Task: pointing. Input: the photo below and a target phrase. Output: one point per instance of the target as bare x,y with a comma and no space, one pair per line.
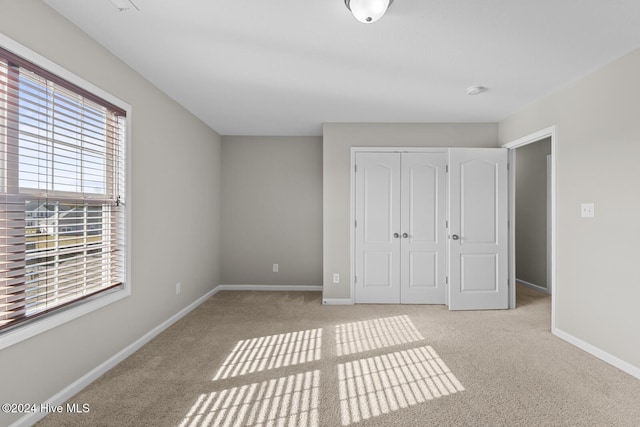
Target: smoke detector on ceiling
124,5
476,90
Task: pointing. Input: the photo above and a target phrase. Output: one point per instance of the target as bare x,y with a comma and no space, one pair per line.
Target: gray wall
175,222
338,138
598,149
272,210
531,212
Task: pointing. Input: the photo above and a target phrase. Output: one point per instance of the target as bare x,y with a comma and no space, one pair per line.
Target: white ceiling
284,67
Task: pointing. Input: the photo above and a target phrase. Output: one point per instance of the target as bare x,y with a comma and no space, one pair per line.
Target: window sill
56,319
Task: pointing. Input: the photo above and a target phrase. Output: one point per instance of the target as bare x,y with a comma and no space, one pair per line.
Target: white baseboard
337,301
315,288
82,382
600,354
533,286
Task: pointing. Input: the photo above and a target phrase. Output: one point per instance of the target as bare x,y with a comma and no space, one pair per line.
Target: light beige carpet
281,358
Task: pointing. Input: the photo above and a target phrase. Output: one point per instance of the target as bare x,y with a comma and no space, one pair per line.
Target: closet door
377,230
478,194
423,228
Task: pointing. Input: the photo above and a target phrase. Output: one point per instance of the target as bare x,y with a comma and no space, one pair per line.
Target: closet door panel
377,259
423,248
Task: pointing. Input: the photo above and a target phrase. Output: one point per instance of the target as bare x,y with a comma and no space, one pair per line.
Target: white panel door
377,232
478,229
423,228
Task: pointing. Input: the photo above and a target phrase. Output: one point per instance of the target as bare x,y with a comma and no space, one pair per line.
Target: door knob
396,235
405,235
455,237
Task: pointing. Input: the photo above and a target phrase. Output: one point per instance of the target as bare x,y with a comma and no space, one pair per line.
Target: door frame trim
549,132
352,199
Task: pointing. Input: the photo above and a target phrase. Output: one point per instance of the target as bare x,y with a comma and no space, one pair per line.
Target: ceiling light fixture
368,11
476,90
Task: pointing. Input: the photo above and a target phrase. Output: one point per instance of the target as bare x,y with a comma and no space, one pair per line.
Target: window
62,193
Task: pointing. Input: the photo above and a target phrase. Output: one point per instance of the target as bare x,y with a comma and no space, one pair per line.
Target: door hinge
507,166
356,168
355,279
446,280
355,224
446,224
446,168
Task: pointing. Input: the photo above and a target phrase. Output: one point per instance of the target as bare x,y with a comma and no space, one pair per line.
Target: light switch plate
587,210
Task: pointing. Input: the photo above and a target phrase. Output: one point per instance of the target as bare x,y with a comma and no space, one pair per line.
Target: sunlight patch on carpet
358,337
287,401
383,384
271,352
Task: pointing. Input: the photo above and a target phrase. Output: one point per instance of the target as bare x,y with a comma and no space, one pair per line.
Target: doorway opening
532,249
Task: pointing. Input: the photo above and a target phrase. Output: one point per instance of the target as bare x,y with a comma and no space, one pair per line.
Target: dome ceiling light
368,11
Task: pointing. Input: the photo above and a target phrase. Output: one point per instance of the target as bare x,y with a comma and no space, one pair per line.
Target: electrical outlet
178,288
587,210
275,268
336,278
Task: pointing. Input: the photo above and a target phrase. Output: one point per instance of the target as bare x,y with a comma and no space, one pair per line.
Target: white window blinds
61,192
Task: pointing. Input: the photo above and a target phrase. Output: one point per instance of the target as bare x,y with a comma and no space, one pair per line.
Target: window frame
90,304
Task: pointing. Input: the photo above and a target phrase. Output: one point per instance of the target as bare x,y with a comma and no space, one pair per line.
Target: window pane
62,139
67,252
61,181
